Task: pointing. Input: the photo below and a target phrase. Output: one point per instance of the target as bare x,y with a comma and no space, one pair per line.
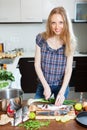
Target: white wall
20,35
23,35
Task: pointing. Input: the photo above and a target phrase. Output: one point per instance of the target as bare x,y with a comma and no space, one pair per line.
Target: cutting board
53,113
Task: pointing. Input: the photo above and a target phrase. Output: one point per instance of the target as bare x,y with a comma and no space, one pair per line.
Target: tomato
10,111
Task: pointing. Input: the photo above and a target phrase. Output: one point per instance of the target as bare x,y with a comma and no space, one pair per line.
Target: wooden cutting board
50,114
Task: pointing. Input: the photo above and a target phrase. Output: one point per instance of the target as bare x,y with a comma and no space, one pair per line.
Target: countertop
32,54
13,67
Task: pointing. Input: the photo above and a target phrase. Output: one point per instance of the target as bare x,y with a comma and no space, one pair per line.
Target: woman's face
57,24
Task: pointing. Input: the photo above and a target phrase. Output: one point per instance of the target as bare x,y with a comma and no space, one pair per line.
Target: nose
57,25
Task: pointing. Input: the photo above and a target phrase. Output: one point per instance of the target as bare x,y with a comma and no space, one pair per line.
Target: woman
54,56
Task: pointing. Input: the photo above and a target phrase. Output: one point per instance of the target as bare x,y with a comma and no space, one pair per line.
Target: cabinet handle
74,64
30,61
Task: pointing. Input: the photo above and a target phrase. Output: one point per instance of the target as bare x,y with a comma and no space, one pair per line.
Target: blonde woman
54,57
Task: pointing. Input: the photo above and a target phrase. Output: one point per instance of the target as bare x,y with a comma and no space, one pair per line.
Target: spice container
1,47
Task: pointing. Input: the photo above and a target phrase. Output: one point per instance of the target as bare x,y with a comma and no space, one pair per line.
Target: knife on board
45,113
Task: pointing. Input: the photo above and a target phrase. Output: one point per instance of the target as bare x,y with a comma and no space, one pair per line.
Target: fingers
59,100
47,95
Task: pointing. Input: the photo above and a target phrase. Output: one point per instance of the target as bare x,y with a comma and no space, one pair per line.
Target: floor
72,95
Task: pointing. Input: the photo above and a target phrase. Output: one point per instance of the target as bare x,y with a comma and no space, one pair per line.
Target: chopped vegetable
69,102
50,101
64,118
42,100
34,124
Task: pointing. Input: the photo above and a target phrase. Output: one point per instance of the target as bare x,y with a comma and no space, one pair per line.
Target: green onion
34,124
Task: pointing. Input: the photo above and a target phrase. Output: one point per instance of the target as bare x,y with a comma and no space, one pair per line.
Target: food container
10,99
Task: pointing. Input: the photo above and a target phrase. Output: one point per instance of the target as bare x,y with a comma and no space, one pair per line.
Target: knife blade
45,113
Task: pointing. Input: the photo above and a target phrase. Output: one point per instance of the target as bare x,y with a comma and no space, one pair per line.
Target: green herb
6,75
34,124
43,100
69,102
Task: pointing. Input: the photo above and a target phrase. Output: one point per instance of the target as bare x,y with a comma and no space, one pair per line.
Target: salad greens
6,75
4,84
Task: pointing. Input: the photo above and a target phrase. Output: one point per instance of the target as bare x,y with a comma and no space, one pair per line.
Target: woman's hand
59,100
47,92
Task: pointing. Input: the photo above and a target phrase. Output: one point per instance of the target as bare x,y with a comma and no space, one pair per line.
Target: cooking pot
12,97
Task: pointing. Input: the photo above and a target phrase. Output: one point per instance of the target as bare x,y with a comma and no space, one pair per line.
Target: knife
45,113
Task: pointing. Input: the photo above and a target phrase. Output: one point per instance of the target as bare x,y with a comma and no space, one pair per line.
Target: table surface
70,125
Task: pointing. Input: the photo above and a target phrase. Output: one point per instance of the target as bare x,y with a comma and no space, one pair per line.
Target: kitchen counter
13,67
32,54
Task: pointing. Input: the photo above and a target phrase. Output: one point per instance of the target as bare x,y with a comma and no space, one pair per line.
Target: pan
81,118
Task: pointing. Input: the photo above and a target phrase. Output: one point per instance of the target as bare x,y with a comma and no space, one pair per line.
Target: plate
81,118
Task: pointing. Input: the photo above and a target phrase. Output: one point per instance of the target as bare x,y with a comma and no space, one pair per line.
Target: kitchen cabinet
9,10
28,74
79,74
20,10
48,5
31,10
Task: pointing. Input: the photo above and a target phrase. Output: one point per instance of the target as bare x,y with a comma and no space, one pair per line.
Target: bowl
4,84
11,96
10,93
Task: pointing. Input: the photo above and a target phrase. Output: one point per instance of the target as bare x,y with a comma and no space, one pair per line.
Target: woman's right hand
47,92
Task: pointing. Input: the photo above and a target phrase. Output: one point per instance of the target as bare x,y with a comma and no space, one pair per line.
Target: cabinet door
31,10
9,10
69,5
28,75
81,74
48,5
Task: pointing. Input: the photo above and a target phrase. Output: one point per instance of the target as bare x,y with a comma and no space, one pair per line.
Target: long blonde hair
67,35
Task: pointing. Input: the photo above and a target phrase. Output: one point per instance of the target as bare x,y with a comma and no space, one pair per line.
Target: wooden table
70,125
54,125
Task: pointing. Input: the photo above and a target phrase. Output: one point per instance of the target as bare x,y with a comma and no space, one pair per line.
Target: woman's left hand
59,100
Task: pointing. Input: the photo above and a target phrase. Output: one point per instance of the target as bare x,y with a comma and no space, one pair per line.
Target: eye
61,22
53,23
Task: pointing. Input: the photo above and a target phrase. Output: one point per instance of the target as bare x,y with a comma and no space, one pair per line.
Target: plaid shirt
53,62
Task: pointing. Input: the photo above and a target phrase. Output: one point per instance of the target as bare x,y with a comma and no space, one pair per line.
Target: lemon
65,118
58,118
32,115
78,106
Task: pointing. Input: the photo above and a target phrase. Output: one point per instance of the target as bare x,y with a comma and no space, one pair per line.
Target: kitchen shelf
21,22
7,60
